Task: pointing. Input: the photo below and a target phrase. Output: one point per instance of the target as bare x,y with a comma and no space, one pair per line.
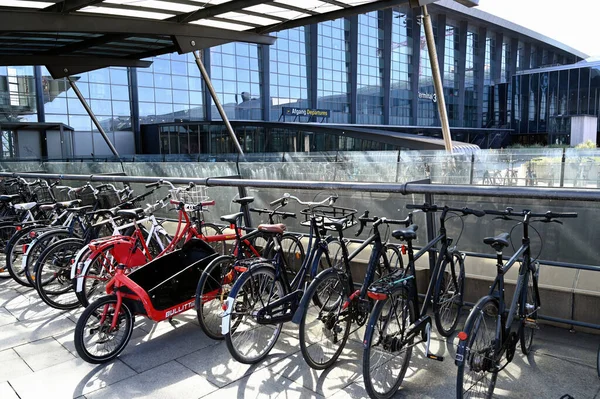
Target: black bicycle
488,343
397,323
325,324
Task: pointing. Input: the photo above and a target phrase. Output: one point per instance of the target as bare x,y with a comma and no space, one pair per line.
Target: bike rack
418,187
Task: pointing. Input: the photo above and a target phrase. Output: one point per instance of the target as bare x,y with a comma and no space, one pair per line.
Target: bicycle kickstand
428,354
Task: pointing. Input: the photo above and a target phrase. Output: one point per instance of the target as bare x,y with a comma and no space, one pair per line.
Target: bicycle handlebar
284,215
329,201
526,212
162,183
364,219
435,208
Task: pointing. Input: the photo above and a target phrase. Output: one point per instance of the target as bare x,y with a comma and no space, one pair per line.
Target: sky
573,22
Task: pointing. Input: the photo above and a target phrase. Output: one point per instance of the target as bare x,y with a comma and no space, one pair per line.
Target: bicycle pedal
531,323
435,357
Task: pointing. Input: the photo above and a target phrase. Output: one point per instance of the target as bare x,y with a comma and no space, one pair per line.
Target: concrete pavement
164,361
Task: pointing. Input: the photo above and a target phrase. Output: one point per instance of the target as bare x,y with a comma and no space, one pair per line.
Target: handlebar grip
477,212
424,207
561,214
406,221
493,212
150,185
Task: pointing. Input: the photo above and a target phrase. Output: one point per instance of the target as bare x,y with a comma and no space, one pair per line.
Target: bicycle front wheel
95,339
6,232
213,289
100,270
248,341
448,294
530,306
325,327
387,352
477,373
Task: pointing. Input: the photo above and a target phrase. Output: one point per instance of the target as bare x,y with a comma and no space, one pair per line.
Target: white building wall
583,128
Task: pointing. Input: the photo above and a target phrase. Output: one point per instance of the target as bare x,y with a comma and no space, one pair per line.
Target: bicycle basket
61,194
43,194
86,196
108,198
325,214
193,196
13,188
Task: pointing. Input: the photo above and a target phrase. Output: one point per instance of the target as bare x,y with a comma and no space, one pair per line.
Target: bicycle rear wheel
530,305
324,328
213,289
477,373
6,232
35,249
448,294
387,354
53,274
15,249
100,270
248,341
209,229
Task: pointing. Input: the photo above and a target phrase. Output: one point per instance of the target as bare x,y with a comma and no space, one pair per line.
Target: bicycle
262,298
396,319
218,277
325,326
488,337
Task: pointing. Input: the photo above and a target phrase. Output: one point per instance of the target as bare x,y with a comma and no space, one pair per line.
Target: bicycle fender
297,318
77,261
462,344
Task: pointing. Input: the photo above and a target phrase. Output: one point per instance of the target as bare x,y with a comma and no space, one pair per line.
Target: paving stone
12,365
43,353
70,379
6,391
23,332
164,344
6,317
216,364
263,384
170,380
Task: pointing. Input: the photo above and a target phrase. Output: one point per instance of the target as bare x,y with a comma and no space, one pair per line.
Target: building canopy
75,36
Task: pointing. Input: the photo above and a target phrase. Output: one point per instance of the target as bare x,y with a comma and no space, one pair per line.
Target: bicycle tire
322,351
481,329
212,290
448,294
377,350
6,232
36,248
14,252
528,301
54,264
247,296
93,311
598,362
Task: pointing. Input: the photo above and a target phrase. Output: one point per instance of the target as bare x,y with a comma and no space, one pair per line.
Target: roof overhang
75,36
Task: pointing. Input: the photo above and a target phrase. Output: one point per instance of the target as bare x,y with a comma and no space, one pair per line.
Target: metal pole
437,79
213,94
91,114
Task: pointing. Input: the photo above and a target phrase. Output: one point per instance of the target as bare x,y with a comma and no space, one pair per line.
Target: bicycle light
462,336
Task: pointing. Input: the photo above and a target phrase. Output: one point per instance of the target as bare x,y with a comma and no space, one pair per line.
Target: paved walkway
38,360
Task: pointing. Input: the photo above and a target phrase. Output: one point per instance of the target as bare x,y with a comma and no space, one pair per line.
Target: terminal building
354,83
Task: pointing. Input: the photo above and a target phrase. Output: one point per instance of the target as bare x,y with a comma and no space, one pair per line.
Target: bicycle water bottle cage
499,242
410,233
387,285
243,201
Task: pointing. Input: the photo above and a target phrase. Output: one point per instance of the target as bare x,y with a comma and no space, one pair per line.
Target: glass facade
170,89
235,74
333,69
370,69
401,98
545,101
312,67
289,72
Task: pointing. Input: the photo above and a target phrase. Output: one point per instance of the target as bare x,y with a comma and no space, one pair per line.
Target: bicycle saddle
25,206
500,241
59,205
8,198
272,228
232,219
410,233
130,213
243,201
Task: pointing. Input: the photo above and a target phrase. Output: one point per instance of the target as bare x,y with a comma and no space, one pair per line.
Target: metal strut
213,94
437,79
94,119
